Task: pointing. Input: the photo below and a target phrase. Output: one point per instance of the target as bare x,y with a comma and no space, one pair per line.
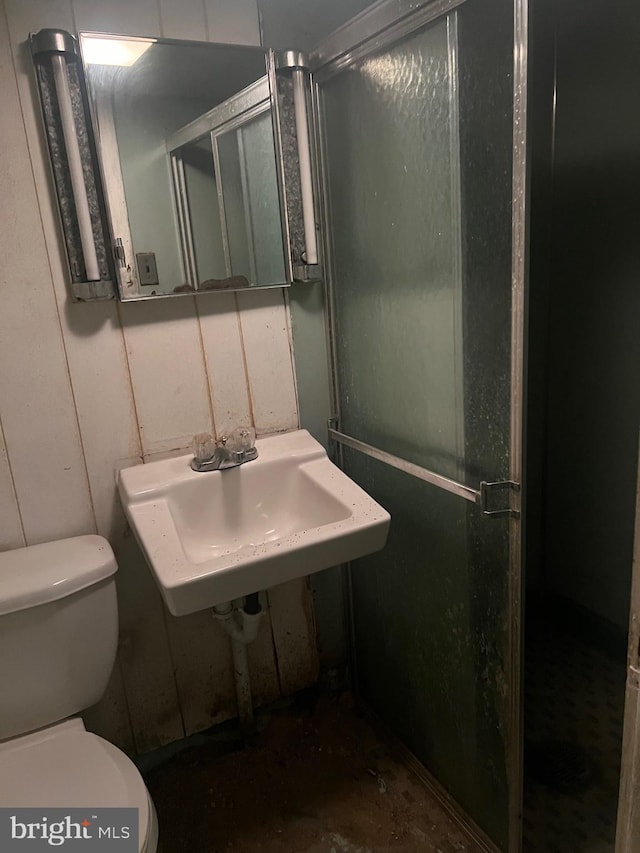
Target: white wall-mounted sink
215,536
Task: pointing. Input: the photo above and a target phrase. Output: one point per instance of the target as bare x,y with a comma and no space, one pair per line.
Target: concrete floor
317,778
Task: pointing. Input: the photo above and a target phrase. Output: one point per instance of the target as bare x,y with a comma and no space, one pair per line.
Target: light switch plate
147,269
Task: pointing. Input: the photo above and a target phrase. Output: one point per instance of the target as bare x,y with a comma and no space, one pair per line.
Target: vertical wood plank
167,370
110,717
203,670
233,23
36,402
294,634
224,356
147,667
11,533
265,331
104,402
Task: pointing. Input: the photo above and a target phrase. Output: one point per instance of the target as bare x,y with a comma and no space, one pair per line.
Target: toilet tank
58,630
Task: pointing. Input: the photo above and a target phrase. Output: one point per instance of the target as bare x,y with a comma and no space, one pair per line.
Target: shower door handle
501,486
482,497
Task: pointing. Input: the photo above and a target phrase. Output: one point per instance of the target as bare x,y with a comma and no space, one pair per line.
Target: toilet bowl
58,640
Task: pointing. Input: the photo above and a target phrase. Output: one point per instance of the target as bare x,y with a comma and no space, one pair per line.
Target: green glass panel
395,205
429,631
418,142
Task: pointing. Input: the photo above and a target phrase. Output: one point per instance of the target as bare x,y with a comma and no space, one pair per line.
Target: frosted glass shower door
417,142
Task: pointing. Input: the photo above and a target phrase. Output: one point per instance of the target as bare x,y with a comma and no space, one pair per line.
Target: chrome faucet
229,452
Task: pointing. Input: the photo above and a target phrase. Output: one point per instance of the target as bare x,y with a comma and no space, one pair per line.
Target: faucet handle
204,446
243,439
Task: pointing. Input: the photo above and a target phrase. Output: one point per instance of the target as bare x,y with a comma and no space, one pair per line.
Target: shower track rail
480,497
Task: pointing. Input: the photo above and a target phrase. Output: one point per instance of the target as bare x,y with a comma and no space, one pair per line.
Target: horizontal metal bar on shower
452,486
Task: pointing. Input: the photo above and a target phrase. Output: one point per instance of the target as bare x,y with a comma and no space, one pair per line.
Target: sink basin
215,536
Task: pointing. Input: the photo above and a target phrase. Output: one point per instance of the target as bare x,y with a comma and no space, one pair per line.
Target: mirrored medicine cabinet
168,160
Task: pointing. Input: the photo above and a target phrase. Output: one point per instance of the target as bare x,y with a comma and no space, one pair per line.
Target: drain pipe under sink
242,626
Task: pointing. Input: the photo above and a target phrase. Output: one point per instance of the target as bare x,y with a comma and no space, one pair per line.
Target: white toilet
58,641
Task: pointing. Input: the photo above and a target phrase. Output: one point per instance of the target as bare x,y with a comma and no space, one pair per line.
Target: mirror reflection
224,172
185,135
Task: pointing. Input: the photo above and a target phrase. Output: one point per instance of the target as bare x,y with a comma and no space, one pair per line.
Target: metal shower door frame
628,823
372,30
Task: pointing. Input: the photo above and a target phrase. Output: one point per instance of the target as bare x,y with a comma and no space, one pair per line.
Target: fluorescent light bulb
304,157
98,50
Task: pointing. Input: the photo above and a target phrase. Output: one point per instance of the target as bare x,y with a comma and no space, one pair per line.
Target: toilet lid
67,767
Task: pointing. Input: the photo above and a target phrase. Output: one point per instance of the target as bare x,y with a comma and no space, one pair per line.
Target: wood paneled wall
88,388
